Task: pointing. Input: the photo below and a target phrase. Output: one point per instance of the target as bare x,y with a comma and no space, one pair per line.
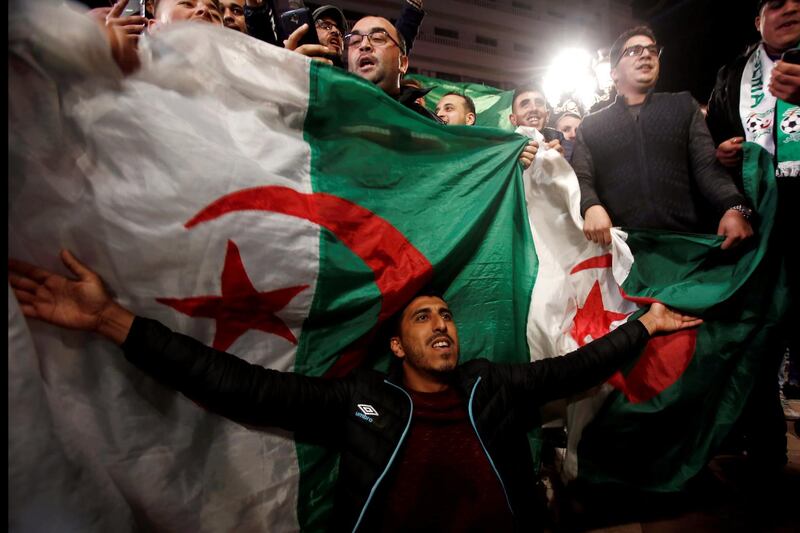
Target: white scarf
756,103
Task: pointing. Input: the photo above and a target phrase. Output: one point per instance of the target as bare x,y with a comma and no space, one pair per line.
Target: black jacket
502,400
658,170
723,117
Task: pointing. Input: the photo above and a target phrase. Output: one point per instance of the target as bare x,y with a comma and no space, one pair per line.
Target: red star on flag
593,320
241,307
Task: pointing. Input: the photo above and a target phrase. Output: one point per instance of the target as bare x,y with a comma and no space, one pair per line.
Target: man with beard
756,98
648,161
433,445
456,109
529,109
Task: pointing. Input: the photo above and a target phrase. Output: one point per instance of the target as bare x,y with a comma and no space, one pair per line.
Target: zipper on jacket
475,427
391,459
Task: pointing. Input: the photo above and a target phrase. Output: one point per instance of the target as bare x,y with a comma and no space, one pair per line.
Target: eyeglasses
327,26
375,38
638,49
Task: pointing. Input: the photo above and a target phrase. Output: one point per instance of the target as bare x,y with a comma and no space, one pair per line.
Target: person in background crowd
258,17
456,109
233,15
756,98
529,108
414,90
648,161
567,123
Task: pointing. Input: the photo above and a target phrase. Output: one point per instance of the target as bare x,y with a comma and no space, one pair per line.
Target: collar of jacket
620,99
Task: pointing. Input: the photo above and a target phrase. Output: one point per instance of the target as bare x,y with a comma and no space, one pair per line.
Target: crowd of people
647,160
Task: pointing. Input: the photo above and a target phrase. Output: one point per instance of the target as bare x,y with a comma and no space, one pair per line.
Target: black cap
333,12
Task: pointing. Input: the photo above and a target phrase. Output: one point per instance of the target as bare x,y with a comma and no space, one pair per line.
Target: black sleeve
589,365
408,23
714,182
232,387
583,165
259,23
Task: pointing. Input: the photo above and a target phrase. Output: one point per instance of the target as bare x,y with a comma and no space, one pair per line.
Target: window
522,4
444,32
523,48
486,41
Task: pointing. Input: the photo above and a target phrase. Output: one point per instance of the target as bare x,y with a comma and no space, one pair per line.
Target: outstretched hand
661,319
82,304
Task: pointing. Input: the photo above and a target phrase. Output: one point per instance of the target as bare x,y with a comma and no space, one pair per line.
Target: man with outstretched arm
432,445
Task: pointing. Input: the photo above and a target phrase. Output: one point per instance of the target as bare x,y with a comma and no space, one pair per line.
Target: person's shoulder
598,116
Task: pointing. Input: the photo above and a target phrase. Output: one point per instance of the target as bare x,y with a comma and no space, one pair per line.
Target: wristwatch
743,210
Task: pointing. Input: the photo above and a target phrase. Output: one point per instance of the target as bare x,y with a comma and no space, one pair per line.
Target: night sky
699,37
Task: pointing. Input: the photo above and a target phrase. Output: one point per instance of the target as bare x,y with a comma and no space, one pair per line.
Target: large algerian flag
269,205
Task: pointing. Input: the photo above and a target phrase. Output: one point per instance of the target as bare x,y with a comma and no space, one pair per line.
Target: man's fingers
294,38
313,50
116,10
22,283
75,266
322,60
28,270
28,310
24,297
729,242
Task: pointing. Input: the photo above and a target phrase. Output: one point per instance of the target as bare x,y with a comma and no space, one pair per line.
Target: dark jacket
723,117
502,400
658,170
408,97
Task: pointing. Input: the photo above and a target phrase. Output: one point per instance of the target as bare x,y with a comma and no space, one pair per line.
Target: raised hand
317,52
661,319
82,304
129,27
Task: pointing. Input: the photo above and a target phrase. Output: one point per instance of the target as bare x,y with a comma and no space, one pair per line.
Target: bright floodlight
570,74
602,71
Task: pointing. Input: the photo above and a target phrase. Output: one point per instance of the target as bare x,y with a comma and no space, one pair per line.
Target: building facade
501,42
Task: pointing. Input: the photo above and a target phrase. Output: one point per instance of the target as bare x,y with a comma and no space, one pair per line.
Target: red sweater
442,479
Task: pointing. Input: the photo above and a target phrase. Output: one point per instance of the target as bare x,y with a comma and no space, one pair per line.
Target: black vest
642,169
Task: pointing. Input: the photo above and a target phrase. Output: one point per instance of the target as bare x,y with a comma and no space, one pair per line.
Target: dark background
699,37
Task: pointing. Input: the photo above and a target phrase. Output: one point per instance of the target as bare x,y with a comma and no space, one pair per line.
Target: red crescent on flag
400,269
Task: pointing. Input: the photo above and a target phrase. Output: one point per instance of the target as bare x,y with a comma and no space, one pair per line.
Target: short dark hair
467,99
528,88
393,323
615,53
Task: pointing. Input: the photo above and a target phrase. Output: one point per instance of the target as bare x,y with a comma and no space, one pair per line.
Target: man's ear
614,76
403,63
470,119
396,347
513,118
758,23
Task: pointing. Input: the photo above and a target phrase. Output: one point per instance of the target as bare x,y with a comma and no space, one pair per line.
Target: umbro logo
368,409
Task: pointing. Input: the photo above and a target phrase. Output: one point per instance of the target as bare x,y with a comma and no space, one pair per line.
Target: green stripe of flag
455,193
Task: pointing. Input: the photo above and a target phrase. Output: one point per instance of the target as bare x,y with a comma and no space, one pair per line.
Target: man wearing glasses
648,161
756,99
376,51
